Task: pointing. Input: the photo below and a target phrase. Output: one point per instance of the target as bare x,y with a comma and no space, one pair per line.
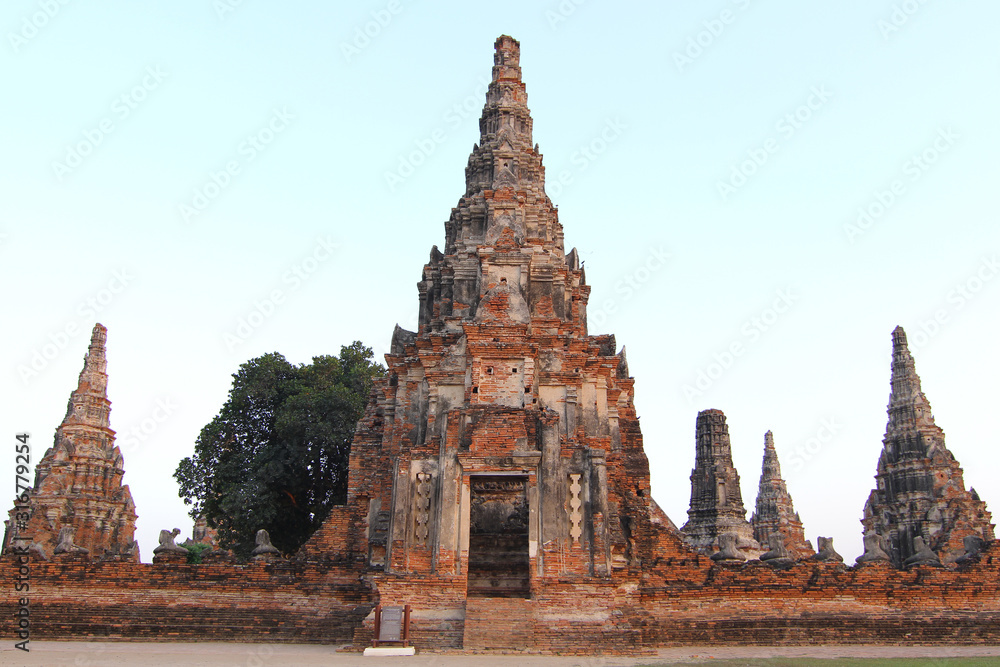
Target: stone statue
167,544
778,555
974,546
922,555
727,549
264,547
826,551
65,545
132,549
873,549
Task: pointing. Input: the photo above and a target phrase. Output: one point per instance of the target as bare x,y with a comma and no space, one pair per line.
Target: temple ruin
919,490
498,472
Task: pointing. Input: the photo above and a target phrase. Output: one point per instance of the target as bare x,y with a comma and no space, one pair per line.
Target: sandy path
190,654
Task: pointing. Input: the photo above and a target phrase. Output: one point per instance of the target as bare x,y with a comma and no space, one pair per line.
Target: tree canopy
275,456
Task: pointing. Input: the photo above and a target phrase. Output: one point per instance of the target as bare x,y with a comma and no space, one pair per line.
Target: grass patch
845,662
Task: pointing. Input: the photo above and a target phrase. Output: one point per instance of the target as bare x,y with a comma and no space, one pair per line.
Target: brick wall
275,602
681,599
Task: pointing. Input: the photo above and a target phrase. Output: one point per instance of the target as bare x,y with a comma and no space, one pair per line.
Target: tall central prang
502,454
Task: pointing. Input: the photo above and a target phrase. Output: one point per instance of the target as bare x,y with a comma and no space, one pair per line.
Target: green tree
275,456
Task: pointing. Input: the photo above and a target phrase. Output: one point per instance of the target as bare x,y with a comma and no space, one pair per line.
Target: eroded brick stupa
78,501
716,499
774,511
502,458
919,489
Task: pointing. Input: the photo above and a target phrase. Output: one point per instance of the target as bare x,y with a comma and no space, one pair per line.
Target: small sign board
392,625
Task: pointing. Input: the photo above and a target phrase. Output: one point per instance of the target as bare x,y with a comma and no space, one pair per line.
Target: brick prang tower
716,499
919,488
78,482
502,453
774,510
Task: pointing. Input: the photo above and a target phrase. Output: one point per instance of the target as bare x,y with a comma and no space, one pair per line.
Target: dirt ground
194,654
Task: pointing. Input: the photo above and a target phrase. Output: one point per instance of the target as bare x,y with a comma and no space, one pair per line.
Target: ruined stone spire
774,510
909,410
78,482
716,499
919,490
503,257
88,404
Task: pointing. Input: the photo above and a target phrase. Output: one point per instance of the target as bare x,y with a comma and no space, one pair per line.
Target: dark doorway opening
498,537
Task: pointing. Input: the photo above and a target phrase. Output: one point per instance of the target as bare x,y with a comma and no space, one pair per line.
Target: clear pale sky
169,169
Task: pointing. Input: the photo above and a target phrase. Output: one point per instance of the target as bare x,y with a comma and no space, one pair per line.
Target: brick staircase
499,623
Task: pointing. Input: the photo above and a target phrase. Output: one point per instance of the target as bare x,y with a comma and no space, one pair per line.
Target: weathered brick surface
281,601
